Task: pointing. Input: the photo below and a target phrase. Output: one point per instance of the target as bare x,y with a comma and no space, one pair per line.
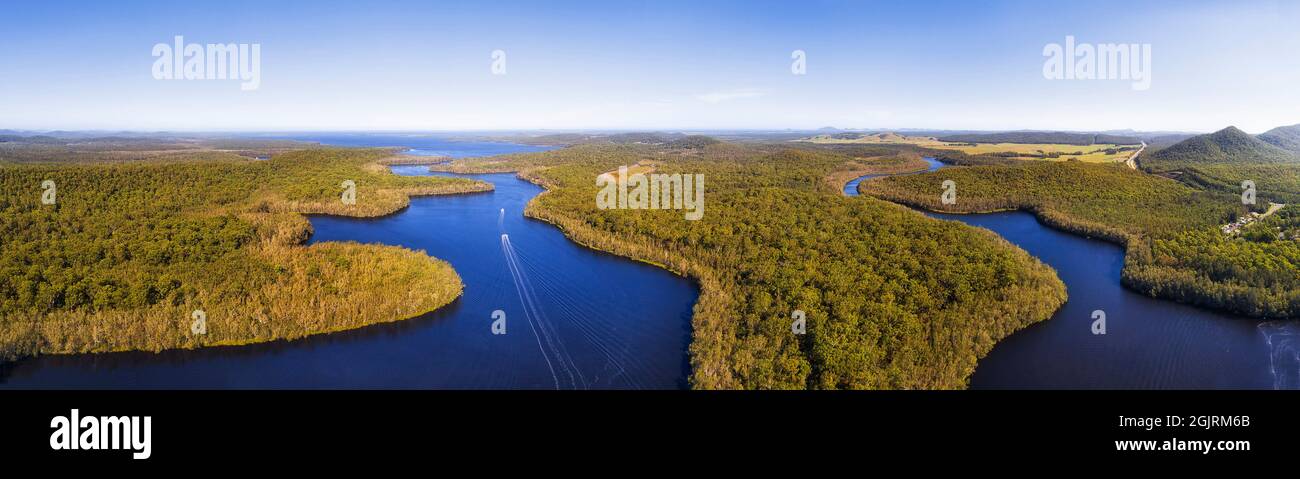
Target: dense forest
1175,249
1225,159
126,251
1284,137
890,300
1229,145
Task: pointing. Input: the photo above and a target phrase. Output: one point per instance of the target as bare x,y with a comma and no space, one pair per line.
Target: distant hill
885,137
1047,137
694,142
35,140
670,140
556,139
1223,160
1284,137
1166,140
1229,145
890,137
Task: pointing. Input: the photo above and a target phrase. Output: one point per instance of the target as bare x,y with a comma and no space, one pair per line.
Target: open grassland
129,250
1099,153
890,301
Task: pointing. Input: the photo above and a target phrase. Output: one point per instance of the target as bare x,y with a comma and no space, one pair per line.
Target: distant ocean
423,145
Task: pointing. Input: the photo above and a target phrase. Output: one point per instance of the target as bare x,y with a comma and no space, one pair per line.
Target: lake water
1149,343
851,188
593,320
599,321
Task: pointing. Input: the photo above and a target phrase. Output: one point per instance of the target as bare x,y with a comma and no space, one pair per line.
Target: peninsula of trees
119,255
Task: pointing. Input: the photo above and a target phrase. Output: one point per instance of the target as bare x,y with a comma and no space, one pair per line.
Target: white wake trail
542,328
505,248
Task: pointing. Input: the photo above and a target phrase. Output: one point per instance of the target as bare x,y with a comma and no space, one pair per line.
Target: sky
662,65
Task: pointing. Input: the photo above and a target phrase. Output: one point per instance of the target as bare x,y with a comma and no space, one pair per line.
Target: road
1132,160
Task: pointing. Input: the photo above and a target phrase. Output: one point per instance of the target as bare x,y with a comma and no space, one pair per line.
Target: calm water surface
578,318
592,320
1149,343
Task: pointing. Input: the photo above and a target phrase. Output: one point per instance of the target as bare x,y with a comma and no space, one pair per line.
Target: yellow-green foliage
130,250
1175,250
1102,200
893,299
876,165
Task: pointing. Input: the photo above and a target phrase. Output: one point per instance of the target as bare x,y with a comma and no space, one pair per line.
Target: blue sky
423,65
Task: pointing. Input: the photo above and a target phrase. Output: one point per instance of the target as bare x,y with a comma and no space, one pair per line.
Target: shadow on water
1149,343
109,362
626,324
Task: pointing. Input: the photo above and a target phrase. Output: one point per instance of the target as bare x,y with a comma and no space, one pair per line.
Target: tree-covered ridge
1229,145
1224,160
892,299
129,250
1111,199
1174,247
1284,137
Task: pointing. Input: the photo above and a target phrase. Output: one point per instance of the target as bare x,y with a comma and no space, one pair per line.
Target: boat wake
548,340
1283,339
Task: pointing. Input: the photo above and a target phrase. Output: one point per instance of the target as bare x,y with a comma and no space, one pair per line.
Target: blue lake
594,320
576,318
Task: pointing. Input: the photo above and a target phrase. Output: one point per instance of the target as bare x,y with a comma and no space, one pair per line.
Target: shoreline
708,372
1064,223
156,328
710,294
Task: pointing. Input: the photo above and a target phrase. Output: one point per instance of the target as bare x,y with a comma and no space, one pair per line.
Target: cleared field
1100,153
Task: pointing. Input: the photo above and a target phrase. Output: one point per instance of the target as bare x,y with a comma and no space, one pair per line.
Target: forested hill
1054,137
1229,145
1284,137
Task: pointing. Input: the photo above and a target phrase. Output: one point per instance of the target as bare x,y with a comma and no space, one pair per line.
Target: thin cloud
727,95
